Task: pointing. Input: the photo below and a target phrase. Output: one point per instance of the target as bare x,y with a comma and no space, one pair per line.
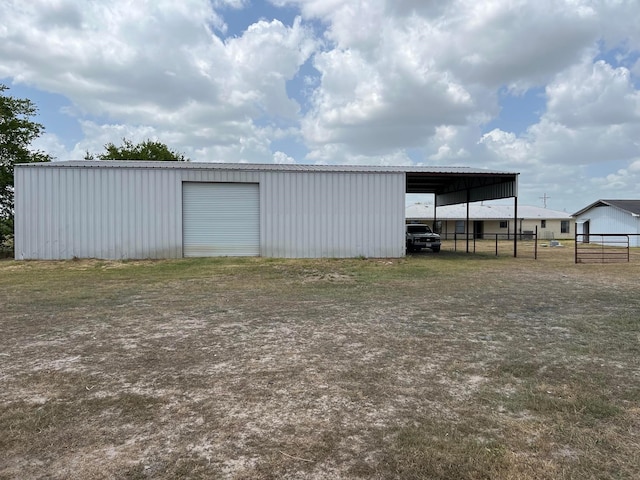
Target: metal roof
449,184
265,167
483,212
630,206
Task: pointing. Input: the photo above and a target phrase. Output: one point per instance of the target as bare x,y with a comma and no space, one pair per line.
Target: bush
6,241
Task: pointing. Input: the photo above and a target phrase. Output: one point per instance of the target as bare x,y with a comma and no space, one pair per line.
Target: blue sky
548,89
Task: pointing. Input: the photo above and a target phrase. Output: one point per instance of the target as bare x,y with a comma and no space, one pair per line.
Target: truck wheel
435,249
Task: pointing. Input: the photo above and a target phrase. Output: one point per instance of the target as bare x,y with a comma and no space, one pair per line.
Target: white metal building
130,209
609,217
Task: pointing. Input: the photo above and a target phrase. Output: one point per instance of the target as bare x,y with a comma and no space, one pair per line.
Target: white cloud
283,158
158,65
593,94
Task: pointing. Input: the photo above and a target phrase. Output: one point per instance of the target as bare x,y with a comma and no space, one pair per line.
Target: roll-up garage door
220,219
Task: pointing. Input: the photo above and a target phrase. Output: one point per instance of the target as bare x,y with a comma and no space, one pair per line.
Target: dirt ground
435,366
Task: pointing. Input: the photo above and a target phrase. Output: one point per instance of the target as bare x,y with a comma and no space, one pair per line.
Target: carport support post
515,221
467,225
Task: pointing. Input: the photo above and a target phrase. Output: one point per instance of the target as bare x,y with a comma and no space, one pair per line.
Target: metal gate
601,247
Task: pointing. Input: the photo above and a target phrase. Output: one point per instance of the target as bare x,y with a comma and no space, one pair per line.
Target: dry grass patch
435,366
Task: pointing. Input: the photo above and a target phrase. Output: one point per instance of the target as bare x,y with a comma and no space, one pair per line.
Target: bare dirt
434,366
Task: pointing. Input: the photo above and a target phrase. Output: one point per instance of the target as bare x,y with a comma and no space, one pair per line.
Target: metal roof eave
478,188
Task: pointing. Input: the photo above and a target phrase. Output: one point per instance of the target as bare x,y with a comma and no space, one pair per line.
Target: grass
434,366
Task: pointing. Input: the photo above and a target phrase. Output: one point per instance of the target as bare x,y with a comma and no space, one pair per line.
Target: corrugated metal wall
605,219
333,215
111,212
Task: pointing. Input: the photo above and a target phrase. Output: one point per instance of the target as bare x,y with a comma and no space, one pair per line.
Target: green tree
147,150
17,131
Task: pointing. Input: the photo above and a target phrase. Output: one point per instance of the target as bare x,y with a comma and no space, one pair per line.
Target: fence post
628,256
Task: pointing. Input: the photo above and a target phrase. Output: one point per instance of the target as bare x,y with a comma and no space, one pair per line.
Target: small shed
609,218
135,209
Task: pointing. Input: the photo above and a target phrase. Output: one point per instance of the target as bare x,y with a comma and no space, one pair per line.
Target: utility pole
544,199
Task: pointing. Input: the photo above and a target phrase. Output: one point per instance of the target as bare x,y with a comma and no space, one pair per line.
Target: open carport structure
131,209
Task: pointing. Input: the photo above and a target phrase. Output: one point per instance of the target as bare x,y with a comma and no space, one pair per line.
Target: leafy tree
17,131
147,150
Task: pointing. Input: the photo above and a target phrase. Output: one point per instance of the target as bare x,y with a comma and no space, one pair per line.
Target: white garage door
220,219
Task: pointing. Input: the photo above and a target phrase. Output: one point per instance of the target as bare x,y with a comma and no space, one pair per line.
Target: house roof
630,206
483,212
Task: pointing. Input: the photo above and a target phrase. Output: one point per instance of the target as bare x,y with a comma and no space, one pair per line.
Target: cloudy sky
547,88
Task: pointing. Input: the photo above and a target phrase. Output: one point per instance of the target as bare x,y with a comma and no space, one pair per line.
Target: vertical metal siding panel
163,211
325,205
61,217
362,219
305,247
265,243
34,250
278,200
368,205
36,245
43,213
317,218
108,218
52,214
377,195
288,228
99,215
171,214
148,213
177,228
116,215
20,210
76,205
86,207
340,219
136,230
67,179
31,232
276,214
289,238
23,219
353,221
130,215
140,220
309,233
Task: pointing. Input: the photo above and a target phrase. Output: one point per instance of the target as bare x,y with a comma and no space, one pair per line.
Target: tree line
18,130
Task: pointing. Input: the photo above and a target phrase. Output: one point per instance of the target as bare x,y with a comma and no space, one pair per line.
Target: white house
485,220
609,221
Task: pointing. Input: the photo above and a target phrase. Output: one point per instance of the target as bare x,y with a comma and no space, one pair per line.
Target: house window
564,226
459,226
543,224
504,224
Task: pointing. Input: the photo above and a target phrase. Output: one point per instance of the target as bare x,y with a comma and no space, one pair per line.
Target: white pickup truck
420,236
